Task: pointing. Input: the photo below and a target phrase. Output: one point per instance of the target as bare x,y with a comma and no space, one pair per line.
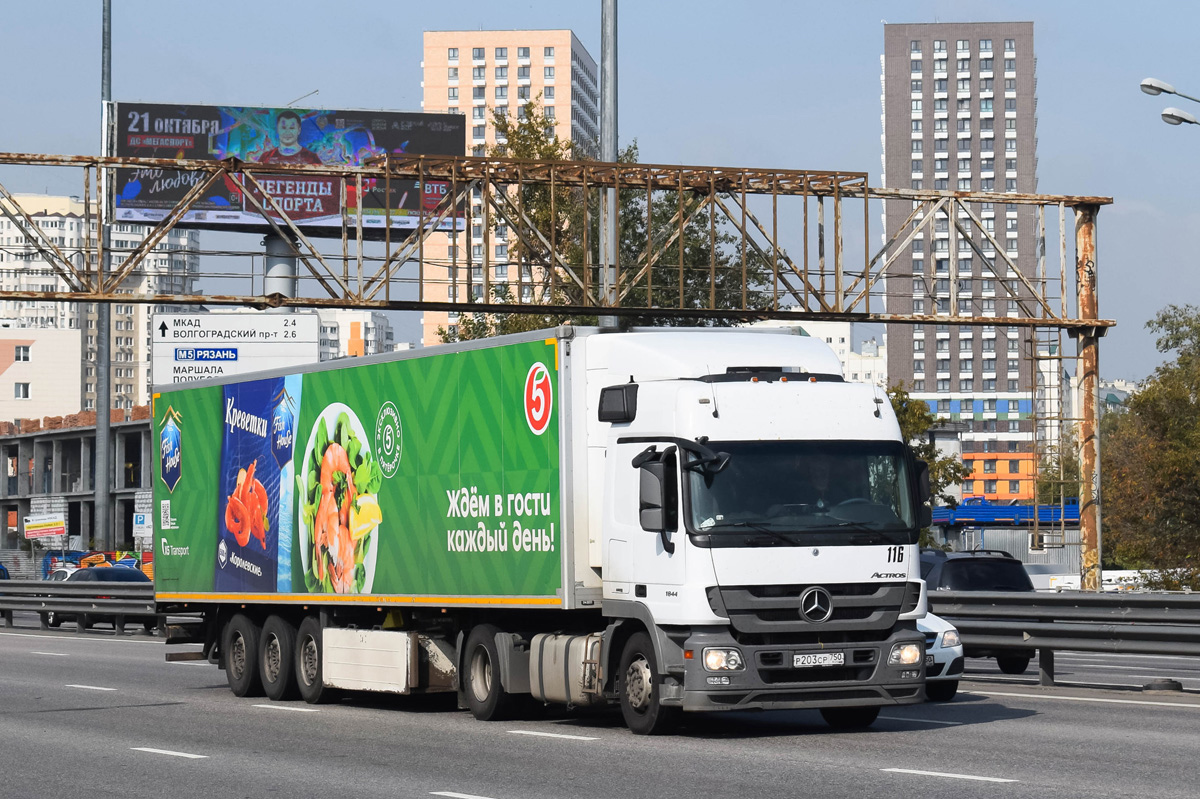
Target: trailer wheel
277,659
1013,664
638,686
850,718
308,666
239,651
486,697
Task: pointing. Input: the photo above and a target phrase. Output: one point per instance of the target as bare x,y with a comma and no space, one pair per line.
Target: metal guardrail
1080,621
115,600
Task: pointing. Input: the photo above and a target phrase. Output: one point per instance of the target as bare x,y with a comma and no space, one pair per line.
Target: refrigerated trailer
669,520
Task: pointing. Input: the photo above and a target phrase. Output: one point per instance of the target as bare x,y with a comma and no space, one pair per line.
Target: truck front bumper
771,680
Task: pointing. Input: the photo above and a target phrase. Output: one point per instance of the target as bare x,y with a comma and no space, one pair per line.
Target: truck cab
759,529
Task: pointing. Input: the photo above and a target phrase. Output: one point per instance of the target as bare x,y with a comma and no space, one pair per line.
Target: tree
916,422
1058,476
1150,458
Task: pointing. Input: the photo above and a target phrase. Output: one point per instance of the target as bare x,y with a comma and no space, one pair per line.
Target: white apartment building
171,268
350,333
478,73
31,385
862,362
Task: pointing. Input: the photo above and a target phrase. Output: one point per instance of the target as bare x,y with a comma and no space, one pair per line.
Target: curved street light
1172,115
1177,116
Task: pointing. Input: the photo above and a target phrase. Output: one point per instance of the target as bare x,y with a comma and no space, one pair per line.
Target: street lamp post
1171,115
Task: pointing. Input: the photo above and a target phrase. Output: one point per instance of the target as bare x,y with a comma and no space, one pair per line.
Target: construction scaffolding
780,244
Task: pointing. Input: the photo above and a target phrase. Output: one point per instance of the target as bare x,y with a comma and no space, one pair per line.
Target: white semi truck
670,520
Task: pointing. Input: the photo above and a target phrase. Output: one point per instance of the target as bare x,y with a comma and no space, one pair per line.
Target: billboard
289,136
421,477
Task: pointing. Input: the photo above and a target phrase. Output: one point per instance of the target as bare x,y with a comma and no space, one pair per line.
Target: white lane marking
91,639
945,774
168,752
52,654
924,721
453,795
553,735
1086,699
91,687
293,709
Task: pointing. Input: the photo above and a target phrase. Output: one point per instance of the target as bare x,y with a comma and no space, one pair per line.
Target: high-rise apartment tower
478,73
959,114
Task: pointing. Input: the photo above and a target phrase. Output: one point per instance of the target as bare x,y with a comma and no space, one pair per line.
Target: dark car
980,570
111,574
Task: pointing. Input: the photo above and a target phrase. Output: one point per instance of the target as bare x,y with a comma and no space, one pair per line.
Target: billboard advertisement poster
419,477
43,525
280,136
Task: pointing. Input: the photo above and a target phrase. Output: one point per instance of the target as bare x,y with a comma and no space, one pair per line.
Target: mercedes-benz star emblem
816,605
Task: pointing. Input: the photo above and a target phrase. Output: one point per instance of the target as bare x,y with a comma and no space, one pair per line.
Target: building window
985,106
1014,486
452,93
523,94
501,52
916,126
985,65
522,52
452,54
548,93
522,73
479,151
964,184
1010,65
914,47
479,131
964,65
916,106
985,44
501,73
916,87
964,45
479,92
1014,385
943,385
20,390
548,73
452,73
1010,45
501,92
477,53
547,52
478,112
1010,104
989,467
479,73
21,353
549,112
919,365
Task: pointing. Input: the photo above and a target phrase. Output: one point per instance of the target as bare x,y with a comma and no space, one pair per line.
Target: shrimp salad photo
339,506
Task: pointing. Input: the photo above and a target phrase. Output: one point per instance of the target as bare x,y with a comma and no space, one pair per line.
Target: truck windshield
804,491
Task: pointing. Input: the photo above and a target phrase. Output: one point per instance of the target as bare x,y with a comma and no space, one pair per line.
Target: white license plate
819,659
929,660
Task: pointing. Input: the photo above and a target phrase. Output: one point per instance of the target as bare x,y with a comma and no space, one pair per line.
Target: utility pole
102,531
608,152
1089,371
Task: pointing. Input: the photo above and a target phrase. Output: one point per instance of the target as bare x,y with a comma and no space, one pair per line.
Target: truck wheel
277,659
51,619
308,667
239,651
941,690
850,718
486,697
1013,664
638,686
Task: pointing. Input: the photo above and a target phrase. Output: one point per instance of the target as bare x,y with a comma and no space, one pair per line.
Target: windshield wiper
758,528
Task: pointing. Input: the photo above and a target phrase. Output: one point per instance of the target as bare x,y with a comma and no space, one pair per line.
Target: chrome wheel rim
237,655
481,674
638,685
272,659
309,660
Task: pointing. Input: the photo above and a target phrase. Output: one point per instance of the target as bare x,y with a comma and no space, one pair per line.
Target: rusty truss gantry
695,242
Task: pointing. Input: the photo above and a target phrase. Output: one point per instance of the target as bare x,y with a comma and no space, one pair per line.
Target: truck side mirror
658,495
618,403
924,493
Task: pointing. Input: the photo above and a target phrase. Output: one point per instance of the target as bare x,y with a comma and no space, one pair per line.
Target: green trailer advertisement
404,480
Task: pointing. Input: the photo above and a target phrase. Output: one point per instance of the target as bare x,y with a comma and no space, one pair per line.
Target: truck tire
277,659
638,686
486,697
850,718
1013,664
239,653
941,690
51,619
308,667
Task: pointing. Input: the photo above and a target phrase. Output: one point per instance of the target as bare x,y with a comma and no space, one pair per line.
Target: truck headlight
950,638
905,655
716,659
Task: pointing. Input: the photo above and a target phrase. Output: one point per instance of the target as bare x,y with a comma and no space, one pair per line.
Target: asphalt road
95,715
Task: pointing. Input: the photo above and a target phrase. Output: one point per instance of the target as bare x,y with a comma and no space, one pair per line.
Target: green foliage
1150,457
1058,477
916,422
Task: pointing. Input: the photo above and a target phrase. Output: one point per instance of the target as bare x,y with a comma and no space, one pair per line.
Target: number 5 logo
539,398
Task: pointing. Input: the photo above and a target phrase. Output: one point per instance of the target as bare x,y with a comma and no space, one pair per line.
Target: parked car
943,658
980,570
110,574
3,572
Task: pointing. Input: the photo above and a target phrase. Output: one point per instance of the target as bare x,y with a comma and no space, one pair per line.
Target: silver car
943,658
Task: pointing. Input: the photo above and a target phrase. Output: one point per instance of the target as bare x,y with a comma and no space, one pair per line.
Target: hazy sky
768,84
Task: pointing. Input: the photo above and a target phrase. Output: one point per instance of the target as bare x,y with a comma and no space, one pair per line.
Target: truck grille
775,610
